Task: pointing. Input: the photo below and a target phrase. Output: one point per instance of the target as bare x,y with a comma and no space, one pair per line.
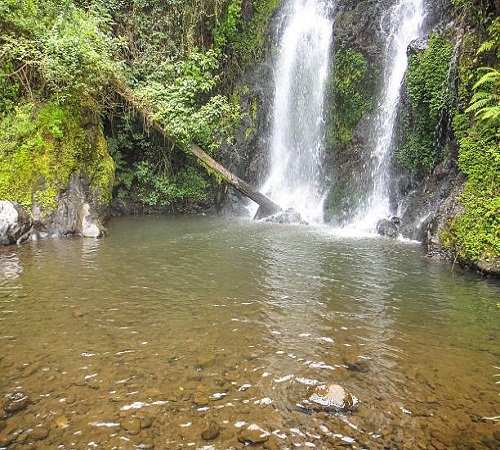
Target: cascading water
297,146
403,24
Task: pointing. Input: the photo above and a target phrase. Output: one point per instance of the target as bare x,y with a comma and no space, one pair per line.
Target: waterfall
297,145
401,24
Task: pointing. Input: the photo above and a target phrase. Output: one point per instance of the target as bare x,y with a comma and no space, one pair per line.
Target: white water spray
402,24
297,147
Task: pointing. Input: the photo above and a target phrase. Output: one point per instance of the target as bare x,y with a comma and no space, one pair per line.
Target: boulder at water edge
387,228
15,223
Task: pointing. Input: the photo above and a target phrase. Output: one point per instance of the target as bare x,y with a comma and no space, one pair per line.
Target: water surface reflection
172,327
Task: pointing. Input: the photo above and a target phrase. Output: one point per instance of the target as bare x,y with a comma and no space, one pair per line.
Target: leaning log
266,206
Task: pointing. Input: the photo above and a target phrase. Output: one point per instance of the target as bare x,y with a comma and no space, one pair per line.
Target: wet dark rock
357,366
332,397
131,425
418,46
253,434
15,223
387,228
15,402
211,433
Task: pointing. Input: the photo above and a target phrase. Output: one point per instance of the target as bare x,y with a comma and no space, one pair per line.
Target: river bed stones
253,434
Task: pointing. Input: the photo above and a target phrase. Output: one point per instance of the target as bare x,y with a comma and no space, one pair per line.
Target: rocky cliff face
424,201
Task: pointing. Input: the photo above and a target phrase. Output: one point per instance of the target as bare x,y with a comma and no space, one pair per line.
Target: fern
485,104
486,46
492,76
479,100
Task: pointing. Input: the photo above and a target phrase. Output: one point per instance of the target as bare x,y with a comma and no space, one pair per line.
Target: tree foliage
65,52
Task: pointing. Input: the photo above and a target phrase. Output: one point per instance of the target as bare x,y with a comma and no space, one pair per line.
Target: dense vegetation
57,61
475,235
351,89
453,111
431,94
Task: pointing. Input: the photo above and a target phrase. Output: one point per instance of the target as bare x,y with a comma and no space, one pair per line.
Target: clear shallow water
180,322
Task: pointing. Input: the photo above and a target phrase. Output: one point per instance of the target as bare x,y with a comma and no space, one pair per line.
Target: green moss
432,101
351,93
40,146
467,65
253,109
334,203
248,45
475,235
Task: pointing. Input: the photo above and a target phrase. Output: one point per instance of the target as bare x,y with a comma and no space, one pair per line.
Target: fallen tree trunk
267,206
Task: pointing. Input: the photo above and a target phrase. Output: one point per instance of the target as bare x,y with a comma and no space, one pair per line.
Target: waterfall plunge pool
174,327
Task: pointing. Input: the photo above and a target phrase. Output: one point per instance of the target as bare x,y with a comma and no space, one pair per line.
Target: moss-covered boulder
54,162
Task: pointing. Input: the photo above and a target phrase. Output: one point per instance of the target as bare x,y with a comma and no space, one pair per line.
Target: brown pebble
131,425
274,443
39,433
16,402
212,432
253,434
146,422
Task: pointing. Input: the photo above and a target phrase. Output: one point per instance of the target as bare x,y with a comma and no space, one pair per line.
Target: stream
187,332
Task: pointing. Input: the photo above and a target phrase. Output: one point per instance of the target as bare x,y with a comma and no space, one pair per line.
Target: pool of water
190,332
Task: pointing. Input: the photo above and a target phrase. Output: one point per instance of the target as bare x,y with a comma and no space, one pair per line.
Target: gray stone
15,223
79,210
288,216
387,228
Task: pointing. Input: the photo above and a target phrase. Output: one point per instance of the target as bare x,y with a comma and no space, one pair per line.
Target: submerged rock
15,402
331,397
39,433
211,433
131,425
253,434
